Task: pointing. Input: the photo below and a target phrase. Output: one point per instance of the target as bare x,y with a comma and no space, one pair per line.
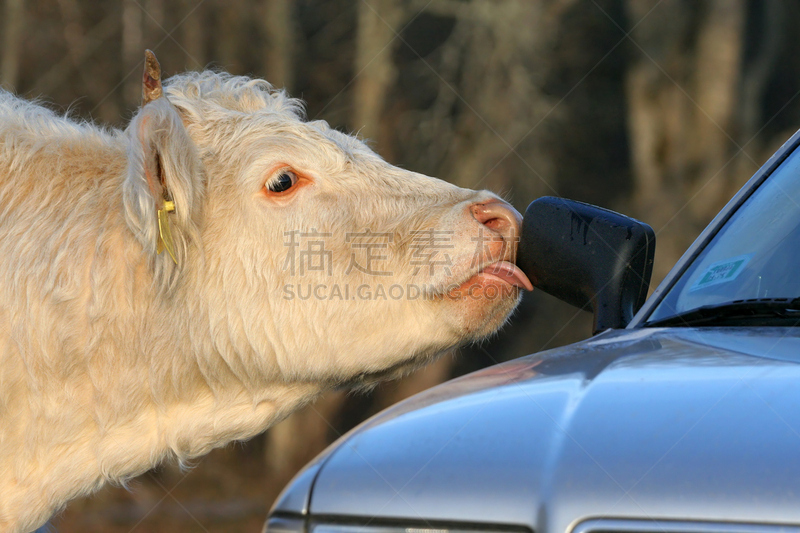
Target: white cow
295,260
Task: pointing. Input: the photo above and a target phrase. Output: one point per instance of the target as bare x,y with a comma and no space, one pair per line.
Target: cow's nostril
498,216
495,223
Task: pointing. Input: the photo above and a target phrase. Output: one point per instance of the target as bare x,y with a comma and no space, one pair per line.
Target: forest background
660,109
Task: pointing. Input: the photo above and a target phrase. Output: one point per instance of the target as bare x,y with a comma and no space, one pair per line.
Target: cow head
296,252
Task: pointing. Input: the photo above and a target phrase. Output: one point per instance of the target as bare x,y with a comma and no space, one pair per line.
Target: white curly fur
113,358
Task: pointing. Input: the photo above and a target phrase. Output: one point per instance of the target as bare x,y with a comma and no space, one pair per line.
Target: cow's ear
164,185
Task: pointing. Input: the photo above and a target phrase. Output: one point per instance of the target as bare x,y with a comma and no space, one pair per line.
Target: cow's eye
283,181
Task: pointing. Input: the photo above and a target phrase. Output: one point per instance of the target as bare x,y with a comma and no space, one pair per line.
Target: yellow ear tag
164,232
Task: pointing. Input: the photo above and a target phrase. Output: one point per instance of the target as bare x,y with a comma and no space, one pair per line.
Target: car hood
678,423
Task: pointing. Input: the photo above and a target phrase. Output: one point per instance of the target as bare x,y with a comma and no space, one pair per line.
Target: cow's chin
365,381
481,305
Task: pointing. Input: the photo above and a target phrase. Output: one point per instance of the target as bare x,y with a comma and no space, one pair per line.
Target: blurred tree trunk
132,53
279,31
293,442
683,88
232,16
757,73
154,23
13,24
78,40
378,24
192,30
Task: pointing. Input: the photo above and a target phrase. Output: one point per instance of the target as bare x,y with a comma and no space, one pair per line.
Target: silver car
684,417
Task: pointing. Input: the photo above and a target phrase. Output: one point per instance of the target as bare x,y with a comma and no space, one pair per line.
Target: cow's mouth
504,272
501,277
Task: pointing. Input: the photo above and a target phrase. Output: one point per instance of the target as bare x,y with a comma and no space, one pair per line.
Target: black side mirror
590,257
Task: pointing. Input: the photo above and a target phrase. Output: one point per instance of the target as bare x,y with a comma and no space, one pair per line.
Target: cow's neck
154,390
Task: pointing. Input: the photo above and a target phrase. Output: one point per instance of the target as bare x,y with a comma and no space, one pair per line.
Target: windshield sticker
721,272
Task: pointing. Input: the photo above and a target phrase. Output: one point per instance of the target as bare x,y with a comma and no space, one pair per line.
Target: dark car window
755,256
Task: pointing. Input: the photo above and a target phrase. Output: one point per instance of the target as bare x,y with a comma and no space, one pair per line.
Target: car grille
669,526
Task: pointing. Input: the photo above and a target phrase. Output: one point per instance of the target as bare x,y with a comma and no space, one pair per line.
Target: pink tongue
510,274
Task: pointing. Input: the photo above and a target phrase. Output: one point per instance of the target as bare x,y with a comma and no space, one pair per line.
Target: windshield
755,256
